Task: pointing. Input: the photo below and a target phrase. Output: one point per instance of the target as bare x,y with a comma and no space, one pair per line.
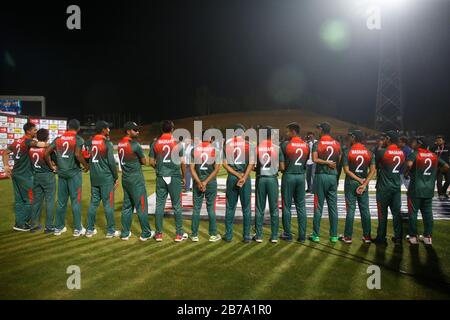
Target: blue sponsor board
10,106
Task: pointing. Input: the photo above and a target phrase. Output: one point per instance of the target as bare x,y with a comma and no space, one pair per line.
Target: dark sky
151,57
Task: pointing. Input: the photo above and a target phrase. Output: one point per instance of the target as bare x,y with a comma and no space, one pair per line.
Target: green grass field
33,266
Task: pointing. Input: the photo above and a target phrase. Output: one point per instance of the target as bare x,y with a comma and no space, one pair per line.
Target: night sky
152,57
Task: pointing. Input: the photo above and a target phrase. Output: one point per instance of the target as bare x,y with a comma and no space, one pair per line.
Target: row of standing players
36,163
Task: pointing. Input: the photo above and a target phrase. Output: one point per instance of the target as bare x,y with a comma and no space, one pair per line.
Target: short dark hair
294,126
440,136
28,126
309,133
42,134
73,124
167,126
404,139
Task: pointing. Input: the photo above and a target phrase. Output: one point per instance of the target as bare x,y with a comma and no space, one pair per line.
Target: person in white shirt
310,165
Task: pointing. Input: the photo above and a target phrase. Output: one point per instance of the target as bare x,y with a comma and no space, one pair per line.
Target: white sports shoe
90,234
274,240
194,239
427,241
215,238
413,240
59,232
113,235
78,233
152,235
127,237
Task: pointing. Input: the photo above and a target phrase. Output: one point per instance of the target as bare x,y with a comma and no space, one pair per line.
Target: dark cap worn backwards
325,126
73,124
358,135
130,125
100,125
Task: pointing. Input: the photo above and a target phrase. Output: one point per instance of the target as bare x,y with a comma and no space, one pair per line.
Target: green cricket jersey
423,173
327,149
389,162
205,157
168,154
269,156
65,145
295,155
103,170
238,153
358,159
37,156
22,165
130,153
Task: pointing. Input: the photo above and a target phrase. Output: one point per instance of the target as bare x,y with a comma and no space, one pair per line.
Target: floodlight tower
389,101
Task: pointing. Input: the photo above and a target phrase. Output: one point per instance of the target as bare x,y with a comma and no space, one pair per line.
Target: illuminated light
335,35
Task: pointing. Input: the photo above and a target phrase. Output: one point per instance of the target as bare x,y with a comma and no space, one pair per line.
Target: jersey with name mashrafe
327,149
22,165
130,153
168,154
423,173
205,157
237,153
358,159
65,146
103,169
389,161
38,163
269,156
296,154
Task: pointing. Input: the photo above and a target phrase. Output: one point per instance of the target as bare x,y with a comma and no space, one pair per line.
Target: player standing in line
422,168
104,179
389,160
132,159
22,175
357,161
239,162
166,156
44,185
269,157
293,164
204,165
326,154
68,157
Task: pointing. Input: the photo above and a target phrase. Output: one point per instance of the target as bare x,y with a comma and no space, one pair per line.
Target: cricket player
295,154
104,179
266,185
238,162
22,175
389,160
326,155
166,156
204,165
132,159
359,167
68,157
422,168
44,185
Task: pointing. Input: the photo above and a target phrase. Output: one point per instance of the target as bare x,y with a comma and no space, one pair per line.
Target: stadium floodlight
40,99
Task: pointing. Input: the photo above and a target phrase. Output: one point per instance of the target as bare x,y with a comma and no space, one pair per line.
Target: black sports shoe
285,237
380,241
396,240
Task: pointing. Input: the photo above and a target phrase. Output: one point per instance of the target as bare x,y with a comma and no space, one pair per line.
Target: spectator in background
188,174
310,164
441,149
403,144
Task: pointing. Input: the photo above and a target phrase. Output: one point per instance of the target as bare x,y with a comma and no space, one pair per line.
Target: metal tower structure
389,102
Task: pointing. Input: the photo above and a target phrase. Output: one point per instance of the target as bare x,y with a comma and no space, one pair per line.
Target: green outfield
33,266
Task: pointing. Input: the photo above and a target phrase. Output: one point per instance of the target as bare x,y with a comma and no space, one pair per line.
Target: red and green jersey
168,154
358,159
102,165
269,156
295,154
22,164
38,163
327,149
65,146
205,157
237,152
130,153
389,161
423,173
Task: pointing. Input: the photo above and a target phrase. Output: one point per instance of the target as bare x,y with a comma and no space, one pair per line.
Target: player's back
204,156
358,158
296,153
423,173
268,158
237,153
22,164
65,147
130,152
327,149
100,150
389,162
37,157
167,153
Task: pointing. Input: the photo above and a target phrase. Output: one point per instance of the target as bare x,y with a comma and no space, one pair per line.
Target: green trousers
135,197
70,187
266,189
389,199
325,187
104,194
210,196
233,193
425,206
351,198
44,188
293,187
23,198
162,190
